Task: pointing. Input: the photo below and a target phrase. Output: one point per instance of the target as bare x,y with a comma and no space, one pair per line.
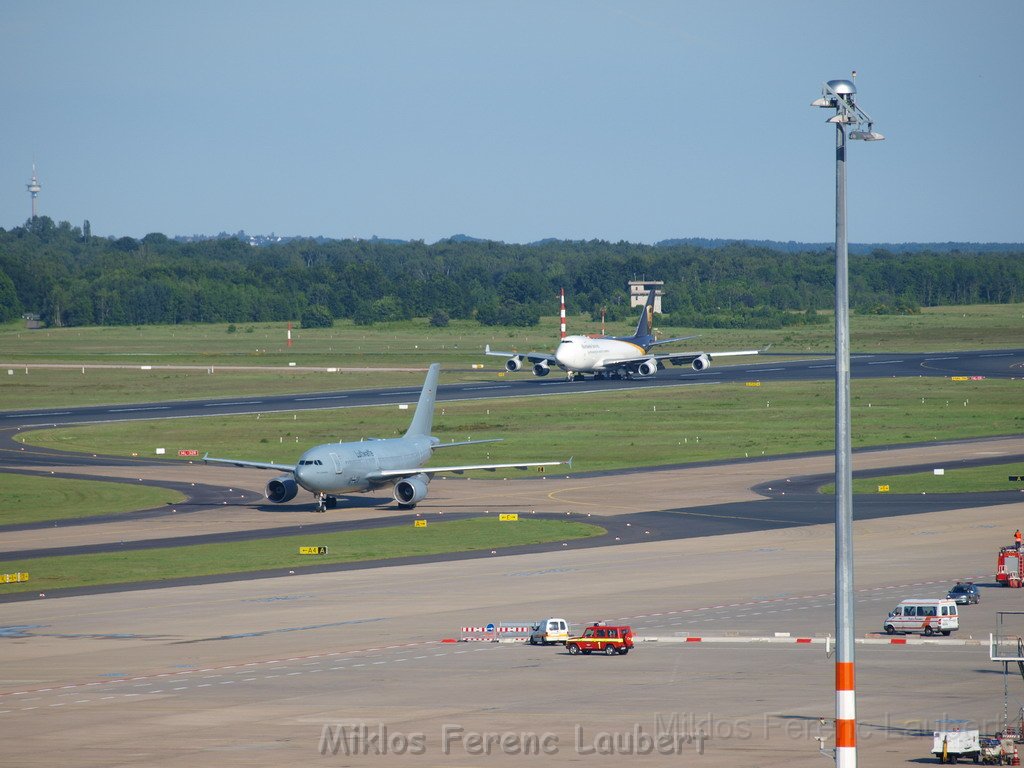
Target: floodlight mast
839,95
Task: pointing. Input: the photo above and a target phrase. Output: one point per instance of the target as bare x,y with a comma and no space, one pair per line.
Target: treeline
72,278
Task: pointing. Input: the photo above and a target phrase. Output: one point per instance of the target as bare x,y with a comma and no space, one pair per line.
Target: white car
550,631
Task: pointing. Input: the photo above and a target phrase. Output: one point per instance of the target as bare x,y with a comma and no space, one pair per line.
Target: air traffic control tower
639,290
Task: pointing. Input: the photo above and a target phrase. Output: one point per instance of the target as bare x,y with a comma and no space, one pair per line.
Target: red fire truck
1010,568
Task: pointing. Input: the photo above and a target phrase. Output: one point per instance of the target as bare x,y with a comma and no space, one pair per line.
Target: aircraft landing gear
321,502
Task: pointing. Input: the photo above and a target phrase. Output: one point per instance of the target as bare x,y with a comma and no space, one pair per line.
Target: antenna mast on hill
34,189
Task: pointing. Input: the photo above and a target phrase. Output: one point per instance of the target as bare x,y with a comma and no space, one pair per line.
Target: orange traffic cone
1016,757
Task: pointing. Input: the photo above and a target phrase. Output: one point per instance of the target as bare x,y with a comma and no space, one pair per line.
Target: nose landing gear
325,502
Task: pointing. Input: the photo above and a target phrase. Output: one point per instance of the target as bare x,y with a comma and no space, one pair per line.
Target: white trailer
952,742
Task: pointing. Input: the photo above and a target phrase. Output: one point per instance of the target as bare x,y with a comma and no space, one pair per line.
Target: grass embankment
408,344
29,499
49,573
602,431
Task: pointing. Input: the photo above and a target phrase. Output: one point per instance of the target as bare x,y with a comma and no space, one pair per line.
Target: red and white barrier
948,641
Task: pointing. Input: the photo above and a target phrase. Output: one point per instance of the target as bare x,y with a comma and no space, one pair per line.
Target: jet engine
701,362
282,489
513,364
648,367
411,490
541,368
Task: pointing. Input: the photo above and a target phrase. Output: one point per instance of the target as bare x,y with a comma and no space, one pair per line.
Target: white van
550,631
925,615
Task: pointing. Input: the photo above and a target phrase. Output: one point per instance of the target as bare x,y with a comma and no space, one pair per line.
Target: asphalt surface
1006,363
255,672
799,504
252,673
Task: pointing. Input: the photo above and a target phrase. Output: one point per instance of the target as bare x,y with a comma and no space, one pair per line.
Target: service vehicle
952,741
928,615
1010,567
964,593
604,639
991,751
549,631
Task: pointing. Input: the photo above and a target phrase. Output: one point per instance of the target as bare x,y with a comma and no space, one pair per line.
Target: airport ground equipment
1010,567
1006,645
953,741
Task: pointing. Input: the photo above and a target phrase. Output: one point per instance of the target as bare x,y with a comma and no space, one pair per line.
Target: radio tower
34,189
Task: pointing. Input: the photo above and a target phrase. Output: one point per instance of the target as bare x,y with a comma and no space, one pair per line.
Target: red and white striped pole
846,716
562,315
289,334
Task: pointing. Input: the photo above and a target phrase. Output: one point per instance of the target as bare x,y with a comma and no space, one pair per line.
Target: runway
1007,363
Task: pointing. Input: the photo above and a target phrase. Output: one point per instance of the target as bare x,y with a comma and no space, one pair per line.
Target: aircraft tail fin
645,325
423,419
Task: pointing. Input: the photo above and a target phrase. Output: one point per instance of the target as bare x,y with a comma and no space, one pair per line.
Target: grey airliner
338,468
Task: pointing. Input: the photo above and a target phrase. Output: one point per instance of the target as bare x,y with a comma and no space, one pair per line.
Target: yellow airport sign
419,523
13,578
959,378
509,517
753,383
883,489
312,550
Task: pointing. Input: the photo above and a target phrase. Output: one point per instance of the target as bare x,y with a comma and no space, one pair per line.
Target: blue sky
516,121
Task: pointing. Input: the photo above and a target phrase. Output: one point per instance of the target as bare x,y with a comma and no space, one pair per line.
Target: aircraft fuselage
585,354
335,468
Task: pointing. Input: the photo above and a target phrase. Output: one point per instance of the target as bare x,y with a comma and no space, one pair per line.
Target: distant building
639,290
32,321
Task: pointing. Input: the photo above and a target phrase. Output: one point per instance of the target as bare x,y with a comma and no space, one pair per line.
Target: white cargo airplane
336,468
613,356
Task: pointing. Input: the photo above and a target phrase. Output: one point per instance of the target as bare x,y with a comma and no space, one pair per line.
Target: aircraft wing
468,442
677,338
688,357
676,358
207,459
533,357
397,474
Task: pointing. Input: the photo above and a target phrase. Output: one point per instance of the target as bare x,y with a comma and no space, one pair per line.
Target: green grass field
408,344
29,499
994,477
602,431
47,573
